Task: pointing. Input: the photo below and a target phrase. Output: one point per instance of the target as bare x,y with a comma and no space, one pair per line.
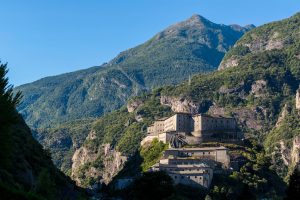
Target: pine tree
8,115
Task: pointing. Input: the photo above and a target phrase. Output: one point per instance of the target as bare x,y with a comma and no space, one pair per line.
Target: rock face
231,62
283,114
216,110
295,150
285,153
240,89
100,165
113,163
257,88
298,99
178,104
81,157
249,117
133,105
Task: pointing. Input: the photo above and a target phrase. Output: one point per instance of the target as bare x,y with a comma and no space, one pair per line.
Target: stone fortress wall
196,128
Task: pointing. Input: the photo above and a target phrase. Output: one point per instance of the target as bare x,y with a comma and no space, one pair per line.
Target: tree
293,191
8,115
153,185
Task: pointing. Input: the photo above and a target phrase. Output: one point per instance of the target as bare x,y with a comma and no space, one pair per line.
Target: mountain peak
197,19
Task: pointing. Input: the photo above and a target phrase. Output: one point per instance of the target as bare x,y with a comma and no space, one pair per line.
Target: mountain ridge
94,91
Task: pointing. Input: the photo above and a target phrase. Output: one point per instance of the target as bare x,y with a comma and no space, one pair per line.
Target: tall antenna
190,80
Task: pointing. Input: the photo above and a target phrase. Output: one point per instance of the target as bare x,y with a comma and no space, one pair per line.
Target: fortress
195,129
192,166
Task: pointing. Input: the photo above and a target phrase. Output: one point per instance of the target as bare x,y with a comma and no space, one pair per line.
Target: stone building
217,154
157,127
180,122
206,126
194,175
193,166
197,128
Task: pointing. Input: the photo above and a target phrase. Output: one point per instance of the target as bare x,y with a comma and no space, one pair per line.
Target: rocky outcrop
251,118
216,110
258,88
283,114
81,157
99,165
239,89
230,62
113,163
298,99
285,153
134,104
271,42
256,44
295,150
178,104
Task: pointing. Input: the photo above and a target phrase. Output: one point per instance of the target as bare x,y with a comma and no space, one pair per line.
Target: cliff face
178,104
298,99
92,167
134,104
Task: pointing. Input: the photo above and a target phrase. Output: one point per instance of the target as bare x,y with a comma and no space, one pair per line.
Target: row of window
193,153
179,169
190,177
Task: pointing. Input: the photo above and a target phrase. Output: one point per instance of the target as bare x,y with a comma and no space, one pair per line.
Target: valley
199,111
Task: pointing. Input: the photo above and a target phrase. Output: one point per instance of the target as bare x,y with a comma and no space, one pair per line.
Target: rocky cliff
91,168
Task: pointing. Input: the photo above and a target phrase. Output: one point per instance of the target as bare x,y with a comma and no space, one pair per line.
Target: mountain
171,56
257,83
26,170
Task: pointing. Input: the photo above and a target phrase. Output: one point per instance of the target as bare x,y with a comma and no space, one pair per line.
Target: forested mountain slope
255,87
189,47
26,170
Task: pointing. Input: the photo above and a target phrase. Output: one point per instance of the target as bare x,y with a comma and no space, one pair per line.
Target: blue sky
39,38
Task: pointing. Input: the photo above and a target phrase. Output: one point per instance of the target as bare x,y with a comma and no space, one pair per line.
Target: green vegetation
293,190
152,153
26,170
79,98
187,48
254,92
157,185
